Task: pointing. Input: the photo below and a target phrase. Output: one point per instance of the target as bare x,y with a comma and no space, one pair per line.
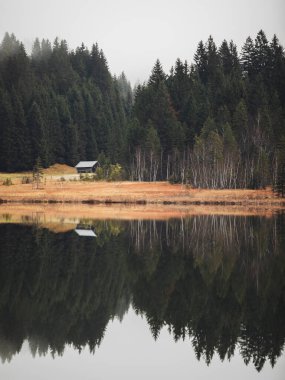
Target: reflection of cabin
85,230
86,166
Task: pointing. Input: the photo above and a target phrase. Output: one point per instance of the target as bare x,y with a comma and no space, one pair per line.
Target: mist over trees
58,105
217,123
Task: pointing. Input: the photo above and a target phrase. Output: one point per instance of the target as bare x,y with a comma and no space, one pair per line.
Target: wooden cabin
86,166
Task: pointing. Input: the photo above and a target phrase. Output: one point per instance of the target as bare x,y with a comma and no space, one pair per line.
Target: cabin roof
82,232
86,164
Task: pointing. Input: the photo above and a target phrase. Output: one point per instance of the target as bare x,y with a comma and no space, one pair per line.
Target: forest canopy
216,123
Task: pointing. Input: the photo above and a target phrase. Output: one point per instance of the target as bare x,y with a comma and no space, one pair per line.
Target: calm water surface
186,298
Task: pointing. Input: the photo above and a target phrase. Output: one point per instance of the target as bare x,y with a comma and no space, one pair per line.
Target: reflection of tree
59,288
219,280
223,289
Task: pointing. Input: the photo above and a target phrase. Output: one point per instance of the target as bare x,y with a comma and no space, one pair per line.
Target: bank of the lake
53,191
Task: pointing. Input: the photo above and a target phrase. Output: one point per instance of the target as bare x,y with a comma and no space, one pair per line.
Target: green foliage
109,172
115,173
100,174
105,172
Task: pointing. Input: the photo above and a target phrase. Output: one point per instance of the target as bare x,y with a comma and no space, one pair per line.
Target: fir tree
37,173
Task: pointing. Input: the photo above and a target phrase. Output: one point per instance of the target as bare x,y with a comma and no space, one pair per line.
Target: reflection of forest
218,279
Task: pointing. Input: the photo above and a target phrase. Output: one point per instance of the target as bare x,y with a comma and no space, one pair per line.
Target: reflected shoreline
60,218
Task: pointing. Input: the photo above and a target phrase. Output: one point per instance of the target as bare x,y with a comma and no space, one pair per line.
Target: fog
133,34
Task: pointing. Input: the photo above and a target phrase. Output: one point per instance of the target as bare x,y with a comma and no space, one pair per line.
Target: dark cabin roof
86,164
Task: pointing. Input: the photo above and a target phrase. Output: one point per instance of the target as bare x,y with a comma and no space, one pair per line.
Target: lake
191,297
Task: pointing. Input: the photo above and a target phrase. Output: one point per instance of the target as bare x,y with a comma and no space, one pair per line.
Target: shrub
7,182
107,172
86,177
26,180
116,173
99,174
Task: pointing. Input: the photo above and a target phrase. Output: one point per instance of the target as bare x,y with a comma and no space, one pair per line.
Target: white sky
128,352
133,34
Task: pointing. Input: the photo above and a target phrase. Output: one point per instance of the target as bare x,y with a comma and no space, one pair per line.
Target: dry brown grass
60,169
136,192
54,170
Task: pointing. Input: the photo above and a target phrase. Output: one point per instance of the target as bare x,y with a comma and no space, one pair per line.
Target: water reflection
218,279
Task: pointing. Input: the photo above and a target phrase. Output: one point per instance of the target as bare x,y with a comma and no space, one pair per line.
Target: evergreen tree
157,75
240,121
7,133
261,54
37,173
201,62
21,137
39,140
247,57
125,91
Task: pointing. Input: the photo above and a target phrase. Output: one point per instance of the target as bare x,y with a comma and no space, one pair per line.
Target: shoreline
65,217
135,193
77,211
93,202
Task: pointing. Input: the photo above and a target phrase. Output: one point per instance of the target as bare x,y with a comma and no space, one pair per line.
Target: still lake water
197,297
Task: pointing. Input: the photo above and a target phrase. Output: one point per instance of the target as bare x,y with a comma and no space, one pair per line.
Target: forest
217,281
218,122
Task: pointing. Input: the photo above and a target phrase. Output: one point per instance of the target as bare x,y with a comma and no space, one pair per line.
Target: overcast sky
133,34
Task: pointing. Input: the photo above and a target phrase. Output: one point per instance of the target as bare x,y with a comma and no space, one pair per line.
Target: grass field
132,192
54,170
55,190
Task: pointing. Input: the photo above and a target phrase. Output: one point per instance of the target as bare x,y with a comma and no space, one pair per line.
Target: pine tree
38,173
157,75
261,54
98,69
126,93
240,121
36,50
277,69
80,61
248,57
226,57
179,85
39,141
69,132
7,133
201,62
21,137
76,102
